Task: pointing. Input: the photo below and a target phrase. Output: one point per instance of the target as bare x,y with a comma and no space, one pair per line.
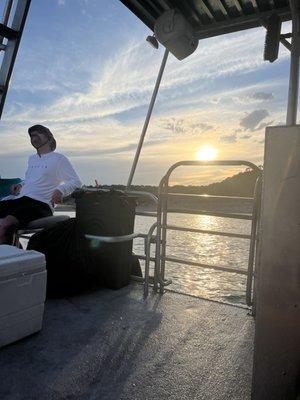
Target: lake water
207,249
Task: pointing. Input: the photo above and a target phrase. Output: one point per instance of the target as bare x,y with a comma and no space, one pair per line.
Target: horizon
246,170
91,85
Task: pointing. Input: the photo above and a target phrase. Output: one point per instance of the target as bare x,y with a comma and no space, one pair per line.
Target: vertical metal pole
146,123
291,118
164,235
147,261
253,240
157,277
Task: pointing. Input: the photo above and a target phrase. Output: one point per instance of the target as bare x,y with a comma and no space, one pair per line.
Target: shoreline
230,205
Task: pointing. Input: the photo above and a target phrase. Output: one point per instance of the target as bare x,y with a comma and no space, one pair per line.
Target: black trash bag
68,259
108,213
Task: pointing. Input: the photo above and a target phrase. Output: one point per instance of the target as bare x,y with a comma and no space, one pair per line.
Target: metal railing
162,226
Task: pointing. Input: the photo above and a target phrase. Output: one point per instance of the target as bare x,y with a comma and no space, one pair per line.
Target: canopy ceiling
212,17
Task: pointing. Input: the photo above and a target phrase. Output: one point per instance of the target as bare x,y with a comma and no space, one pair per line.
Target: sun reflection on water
207,249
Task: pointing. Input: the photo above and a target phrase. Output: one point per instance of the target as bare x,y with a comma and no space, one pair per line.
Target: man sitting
49,177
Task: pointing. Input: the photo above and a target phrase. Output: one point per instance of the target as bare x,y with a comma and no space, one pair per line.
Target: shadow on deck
113,345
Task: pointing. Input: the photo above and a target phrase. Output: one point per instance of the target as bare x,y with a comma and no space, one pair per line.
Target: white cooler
23,279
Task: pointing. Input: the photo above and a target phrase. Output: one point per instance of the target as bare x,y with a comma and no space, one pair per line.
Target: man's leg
8,225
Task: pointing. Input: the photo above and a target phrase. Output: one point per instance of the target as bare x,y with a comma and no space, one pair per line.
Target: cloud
262,96
101,112
228,138
245,137
251,121
111,150
125,80
61,2
215,100
255,97
187,126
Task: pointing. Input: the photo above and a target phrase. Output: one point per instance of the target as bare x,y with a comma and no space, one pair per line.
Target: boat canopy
210,18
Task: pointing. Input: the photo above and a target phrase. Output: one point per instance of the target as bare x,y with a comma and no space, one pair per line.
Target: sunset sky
85,70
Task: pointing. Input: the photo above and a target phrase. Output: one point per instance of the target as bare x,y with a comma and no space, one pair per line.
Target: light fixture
175,33
151,39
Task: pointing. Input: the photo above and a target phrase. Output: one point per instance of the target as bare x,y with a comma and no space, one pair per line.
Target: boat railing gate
162,226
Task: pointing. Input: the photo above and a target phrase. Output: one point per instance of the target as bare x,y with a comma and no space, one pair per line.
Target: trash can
108,213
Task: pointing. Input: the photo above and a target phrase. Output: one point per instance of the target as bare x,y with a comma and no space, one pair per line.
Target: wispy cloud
109,151
190,125
100,113
125,80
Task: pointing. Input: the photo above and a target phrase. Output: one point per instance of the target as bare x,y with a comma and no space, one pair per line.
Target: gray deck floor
113,345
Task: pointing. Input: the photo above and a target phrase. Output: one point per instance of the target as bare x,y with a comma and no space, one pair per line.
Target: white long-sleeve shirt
46,173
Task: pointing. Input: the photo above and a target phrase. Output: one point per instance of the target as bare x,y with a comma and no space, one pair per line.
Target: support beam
7,32
11,48
147,120
276,373
291,118
286,44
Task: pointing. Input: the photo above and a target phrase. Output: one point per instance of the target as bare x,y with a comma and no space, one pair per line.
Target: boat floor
114,345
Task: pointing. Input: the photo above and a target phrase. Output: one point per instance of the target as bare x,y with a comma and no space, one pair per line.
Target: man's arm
68,177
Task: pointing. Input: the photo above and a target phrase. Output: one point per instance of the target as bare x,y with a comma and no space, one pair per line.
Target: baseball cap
46,131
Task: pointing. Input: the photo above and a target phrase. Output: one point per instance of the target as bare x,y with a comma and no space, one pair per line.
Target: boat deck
114,345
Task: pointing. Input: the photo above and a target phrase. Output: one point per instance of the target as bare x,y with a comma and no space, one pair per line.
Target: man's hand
15,189
57,197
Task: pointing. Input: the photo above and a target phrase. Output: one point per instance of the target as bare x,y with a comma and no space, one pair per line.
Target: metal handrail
208,266
253,234
138,193
160,257
231,163
152,214
212,213
162,225
209,232
205,196
112,239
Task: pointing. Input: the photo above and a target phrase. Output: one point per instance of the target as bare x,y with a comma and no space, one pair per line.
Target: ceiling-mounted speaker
174,32
273,27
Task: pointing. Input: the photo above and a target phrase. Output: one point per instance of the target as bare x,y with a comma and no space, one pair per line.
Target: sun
207,153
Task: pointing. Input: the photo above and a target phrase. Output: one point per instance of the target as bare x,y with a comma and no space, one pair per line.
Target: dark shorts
24,209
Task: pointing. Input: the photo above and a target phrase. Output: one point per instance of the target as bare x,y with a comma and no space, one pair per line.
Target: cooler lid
14,261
